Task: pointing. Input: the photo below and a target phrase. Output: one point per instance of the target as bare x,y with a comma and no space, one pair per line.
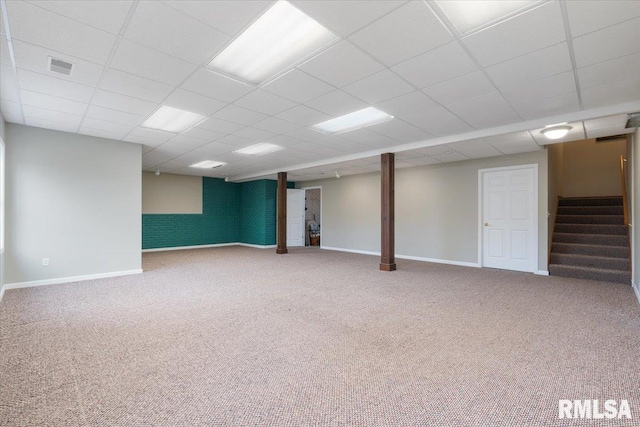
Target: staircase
590,240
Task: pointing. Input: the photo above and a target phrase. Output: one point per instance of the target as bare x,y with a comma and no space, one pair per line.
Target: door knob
486,224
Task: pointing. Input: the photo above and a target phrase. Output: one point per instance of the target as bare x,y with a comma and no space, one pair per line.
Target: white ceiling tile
265,102
592,15
305,134
618,121
407,103
106,15
116,101
303,116
52,103
193,102
484,119
9,88
404,33
509,138
369,138
160,27
530,31
51,115
612,93
220,126
424,161
148,136
336,103
379,87
532,66
322,150
450,157
148,63
214,148
47,124
254,134
188,141
10,107
227,16
114,116
608,43
285,141
298,86
127,84
468,17
346,16
4,49
156,157
576,133
216,86
276,125
438,121
548,107
459,88
101,133
35,58
540,89
475,105
52,86
354,65
235,114
436,66
609,71
475,149
201,133
105,125
400,131
42,27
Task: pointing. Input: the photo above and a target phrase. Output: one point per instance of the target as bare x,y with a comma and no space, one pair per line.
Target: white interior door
295,217
509,219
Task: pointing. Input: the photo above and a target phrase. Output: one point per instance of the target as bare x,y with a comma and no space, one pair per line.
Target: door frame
314,187
303,213
481,172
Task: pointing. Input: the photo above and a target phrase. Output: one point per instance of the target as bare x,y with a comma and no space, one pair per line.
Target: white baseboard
216,245
541,272
636,289
181,248
410,257
1,292
440,261
59,280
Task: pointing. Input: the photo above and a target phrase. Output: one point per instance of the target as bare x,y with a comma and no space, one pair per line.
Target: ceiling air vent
58,66
633,120
610,138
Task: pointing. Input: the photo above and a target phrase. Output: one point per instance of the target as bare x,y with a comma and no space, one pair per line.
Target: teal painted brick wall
231,212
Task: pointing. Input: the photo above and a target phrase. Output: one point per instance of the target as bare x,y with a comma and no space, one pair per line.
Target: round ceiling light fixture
556,132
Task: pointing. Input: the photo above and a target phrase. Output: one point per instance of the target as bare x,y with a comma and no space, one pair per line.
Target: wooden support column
282,213
388,261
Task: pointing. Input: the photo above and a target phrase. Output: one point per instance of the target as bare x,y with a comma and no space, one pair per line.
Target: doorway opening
313,216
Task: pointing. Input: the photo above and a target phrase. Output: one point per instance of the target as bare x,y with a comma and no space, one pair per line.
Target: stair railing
623,177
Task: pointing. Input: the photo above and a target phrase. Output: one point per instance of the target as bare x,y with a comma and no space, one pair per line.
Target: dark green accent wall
231,212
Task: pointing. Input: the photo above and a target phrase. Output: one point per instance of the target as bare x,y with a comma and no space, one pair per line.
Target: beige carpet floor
244,337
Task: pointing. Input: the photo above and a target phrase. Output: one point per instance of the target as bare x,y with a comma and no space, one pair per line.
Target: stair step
590,219
600,262
591,239
590,201
592,229
589,273
590,249
590,210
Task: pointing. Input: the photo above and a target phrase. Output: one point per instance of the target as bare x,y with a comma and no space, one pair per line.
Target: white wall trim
216,245
636,290
354,251
1,292
440,261
541,272
70,279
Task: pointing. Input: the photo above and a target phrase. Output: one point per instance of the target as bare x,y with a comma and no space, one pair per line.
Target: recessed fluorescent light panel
356,120
207,164
259,149
173,120
279,39
469,15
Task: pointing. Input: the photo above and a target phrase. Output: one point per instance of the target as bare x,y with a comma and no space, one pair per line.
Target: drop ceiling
458,89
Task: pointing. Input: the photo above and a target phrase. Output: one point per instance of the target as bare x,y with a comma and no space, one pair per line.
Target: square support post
388,261
282,214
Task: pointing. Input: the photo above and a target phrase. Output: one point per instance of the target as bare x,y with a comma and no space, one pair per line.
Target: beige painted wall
171,194
74,199
436,209
592,169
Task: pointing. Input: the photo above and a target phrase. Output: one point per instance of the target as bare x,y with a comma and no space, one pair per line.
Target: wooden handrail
623,178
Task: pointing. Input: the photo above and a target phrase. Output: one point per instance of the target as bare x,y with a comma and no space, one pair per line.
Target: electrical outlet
45,262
